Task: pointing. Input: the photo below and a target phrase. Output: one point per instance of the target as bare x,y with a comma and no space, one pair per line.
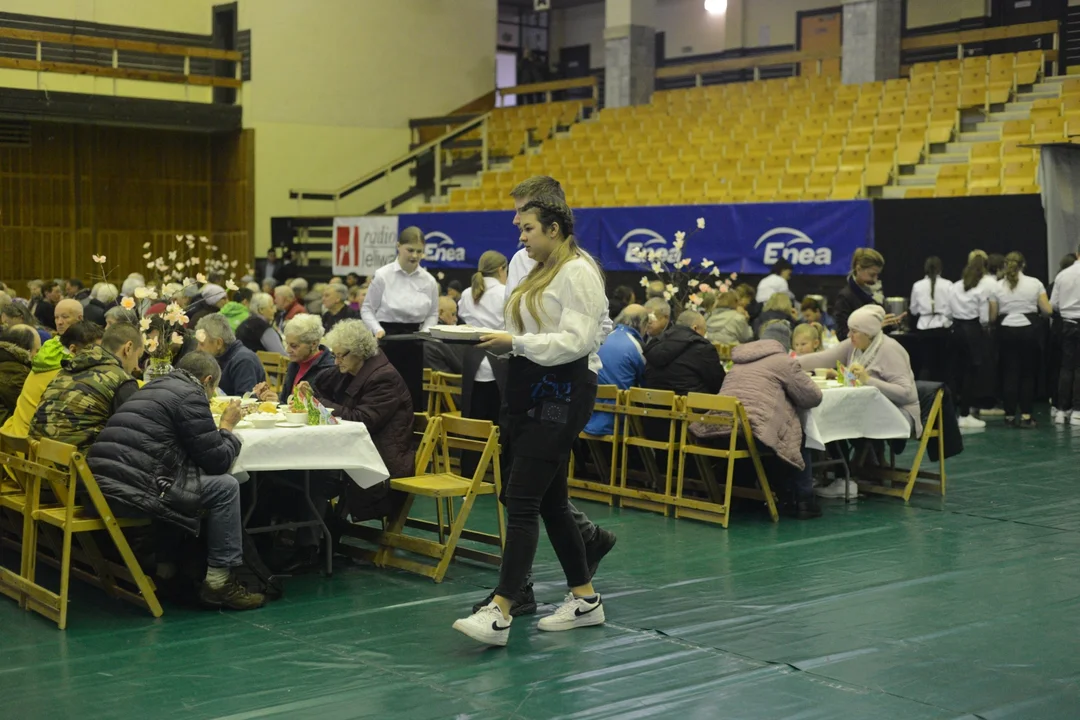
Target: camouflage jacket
79,401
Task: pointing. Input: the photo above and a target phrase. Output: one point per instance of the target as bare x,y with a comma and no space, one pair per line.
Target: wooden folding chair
724,412
723,350
18,498
429,388
447,390
608,398
275,366
446,433
900,482
67,475
640,405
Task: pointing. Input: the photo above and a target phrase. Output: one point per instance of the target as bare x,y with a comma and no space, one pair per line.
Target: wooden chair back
728,415
447,388
604,460
639,406
723,350
275,365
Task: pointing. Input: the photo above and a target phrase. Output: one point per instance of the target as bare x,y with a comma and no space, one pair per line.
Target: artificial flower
128,303
704,287
99,259
680,236
667,295
705,263
146,246
144,324
701,223
695,299
715,272
180,238
149,266
151,345
172,254
146,256
440,275
142,293
193,261
177,339
678,244
199,277
233,264
684,262
204,239
179,266
644,281
670,288
230,285
657,268
734,276
200,335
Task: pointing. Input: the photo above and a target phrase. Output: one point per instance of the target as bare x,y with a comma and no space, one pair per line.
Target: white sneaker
574,613
1059,417
487,625
838,489
970,422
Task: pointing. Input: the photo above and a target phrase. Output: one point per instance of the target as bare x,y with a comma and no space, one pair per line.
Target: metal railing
434,147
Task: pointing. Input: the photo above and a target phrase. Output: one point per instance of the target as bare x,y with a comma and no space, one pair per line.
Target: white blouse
1016,303
970,304
769,286
933,310
569,324
1065,297
486,313
396,296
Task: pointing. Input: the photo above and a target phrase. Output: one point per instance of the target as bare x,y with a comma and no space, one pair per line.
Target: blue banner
817,238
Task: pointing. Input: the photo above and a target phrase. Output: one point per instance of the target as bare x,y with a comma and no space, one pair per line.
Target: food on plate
268,407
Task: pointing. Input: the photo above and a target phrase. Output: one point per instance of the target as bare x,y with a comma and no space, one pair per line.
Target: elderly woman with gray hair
366,388
241,370
257,331
307,357
102,299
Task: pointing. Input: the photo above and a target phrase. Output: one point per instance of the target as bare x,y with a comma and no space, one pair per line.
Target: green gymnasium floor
964,609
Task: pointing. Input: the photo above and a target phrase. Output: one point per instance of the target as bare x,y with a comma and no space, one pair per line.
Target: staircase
976,126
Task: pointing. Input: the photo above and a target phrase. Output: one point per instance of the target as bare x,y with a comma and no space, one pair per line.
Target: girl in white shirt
553,321
930,304
1018,302
969,303
402,299
482,306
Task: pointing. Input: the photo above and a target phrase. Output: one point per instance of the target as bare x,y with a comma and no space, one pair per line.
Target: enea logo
639,242
793,245
439,247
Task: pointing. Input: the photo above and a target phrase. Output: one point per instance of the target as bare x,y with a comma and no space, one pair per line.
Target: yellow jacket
18,423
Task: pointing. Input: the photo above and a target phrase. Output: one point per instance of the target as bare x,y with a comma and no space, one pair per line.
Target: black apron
470,363
407,357
548,407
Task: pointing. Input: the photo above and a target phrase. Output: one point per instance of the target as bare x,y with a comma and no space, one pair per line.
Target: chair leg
455,535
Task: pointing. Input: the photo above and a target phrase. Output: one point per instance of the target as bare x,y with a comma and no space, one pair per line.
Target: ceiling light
716,7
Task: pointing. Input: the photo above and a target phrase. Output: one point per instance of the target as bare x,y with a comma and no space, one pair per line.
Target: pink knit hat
867,319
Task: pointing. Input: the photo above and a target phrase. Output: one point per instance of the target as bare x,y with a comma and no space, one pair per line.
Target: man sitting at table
90,388
874,359
623,359
307,357
241,369
163,435
683,360
773,389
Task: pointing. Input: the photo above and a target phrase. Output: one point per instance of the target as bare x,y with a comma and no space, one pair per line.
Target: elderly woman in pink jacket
773,389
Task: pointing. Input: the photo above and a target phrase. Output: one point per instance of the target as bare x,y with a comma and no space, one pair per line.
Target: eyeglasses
342,356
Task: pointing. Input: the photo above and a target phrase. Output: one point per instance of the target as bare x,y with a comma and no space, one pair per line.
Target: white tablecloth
347,446
847,413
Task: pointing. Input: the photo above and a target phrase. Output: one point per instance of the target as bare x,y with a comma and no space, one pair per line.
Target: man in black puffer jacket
140,458
683,360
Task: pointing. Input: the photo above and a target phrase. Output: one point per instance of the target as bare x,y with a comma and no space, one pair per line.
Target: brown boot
230,596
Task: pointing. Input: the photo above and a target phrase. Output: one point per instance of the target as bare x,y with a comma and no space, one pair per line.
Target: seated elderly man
90,387
151,449
335,306
44,367
659,318
120,315
624,363
683,360
877,360
18,345
287,304
210,301
307,357
448,311
366,388
257,331
240,368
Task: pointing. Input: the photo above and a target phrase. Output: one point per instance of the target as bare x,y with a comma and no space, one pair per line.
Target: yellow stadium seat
941,125
789,195
1015,151
1048,130
984,176
1016,130
827,160
864,120
858,140
985,153
972,97
919,102
885,138
953,170
801,161
950,191
845,192
984,190
1028,67
820,181
950,183
919,193
853,160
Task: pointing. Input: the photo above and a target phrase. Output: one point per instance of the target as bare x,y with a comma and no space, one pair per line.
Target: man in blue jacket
624,361
241,369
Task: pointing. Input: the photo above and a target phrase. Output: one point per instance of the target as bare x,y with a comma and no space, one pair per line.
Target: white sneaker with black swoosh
487,625
574,613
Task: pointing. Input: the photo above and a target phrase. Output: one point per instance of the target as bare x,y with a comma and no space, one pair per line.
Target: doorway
574,63
820,30
505,76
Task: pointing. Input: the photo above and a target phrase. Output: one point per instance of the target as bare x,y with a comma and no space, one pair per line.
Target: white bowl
300,418
264,420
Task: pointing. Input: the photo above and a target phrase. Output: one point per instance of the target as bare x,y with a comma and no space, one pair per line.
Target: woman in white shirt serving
403,298
930,304
970,303
553,318
1017,304
483,375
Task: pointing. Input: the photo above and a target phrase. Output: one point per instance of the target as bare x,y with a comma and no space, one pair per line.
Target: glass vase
156,368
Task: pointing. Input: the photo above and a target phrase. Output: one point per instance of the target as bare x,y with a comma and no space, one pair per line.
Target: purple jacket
773,388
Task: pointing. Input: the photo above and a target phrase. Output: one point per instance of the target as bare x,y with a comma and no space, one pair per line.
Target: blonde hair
864,258
778,301
729,299
814,330
489,265
1014,263
531,289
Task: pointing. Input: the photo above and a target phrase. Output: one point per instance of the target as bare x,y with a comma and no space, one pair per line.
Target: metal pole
484,145
438,167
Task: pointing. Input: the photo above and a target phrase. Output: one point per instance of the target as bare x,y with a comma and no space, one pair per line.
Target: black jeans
537,488
1019,352
969,343
1068,390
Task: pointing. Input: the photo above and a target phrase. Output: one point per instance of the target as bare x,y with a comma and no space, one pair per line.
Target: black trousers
1068,387
935,348
970,347
538,488
1019,354
407,357
485,405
